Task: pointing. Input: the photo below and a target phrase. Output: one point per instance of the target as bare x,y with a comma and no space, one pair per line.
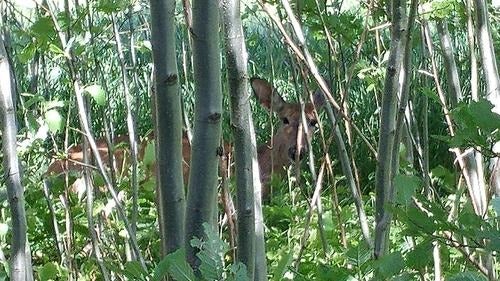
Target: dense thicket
320,219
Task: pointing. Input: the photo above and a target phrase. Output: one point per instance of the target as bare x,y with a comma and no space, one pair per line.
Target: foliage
356,65
211,252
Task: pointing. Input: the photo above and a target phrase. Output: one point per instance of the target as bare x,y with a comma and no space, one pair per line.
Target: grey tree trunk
168,121
347,170
492,78
202,188
130,126
490,69
245,149
385,172
474,169
12,176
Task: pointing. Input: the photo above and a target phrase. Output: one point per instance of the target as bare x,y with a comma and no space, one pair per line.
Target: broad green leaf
326,273
48,271
54,120
52,104
113,266
149,154
468,276
484,118
421,220
212,248
446,177
27,53
239,272
282,267
31,100
112,6
43,30
134,271
97,93
390,264
418,258
161,269
55,49
179,269
176,266
405,186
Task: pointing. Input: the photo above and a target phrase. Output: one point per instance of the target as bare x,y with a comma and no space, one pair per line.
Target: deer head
289,143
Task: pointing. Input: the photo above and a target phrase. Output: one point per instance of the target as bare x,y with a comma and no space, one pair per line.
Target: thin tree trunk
130,127
474,168
92,143
345,163
168,130
11,168
96,251
492,78
202,189
388,141
245,153
490,70
424,154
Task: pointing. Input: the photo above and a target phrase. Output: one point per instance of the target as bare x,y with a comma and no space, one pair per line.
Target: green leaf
149,154
43,30
180,269
112,6
55,49
468,276
161,269
54,120
48,271
239,272
97,93
405,186
282,267
51,104
390,264
418,258
482,115
134,271
211,251
27,53
174,264
326,273
446,177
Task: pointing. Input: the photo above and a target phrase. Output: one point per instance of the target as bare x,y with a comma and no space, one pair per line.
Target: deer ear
267,96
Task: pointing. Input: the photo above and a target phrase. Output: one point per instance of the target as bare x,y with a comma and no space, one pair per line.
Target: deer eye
285,121
313,123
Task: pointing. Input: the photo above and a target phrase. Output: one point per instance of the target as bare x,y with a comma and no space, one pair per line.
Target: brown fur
273,156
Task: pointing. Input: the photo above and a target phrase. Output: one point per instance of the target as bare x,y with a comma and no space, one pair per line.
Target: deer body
287,145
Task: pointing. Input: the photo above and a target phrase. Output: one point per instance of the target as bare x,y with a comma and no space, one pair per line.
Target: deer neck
271,162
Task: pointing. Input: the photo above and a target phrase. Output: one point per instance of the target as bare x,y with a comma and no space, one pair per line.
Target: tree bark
130,126
245,151
205,150
474,168
11,168
490,70
385,172
168,121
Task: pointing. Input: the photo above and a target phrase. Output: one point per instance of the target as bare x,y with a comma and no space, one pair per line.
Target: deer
287,146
